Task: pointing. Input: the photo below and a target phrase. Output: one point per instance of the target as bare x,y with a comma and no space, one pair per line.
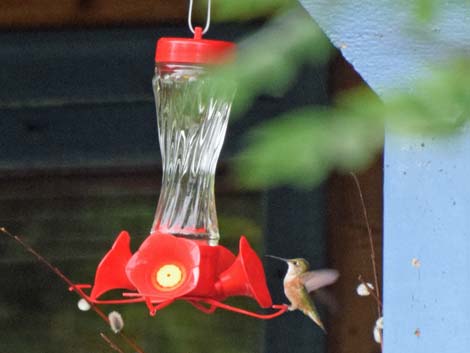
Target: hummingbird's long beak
277,258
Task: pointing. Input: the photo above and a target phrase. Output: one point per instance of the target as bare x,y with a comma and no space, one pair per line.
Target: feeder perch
181,258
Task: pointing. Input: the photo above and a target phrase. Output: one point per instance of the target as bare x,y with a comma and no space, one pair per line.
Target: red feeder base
168,268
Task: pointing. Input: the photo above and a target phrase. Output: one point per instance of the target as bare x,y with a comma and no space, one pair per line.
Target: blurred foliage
268,61
425,9
303,146
439,104
248,9
300,148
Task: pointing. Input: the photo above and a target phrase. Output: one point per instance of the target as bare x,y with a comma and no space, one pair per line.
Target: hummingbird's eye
295,263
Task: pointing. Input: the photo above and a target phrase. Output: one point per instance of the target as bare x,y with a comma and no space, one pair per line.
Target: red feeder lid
193,50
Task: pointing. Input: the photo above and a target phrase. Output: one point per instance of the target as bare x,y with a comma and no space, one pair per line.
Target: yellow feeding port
169,276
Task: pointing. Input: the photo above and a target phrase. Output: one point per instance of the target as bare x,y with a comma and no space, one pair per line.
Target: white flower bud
378,329
364,289
380,323
83,305
115,321
377,335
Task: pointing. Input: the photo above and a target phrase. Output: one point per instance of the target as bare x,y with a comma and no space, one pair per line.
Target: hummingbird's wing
313,280
326,298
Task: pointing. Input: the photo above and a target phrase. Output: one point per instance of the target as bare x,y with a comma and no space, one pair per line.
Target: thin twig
59,273
376,295
111,343
371,243
131,342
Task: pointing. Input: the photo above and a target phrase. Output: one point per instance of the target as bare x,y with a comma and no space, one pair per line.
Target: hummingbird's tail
313,314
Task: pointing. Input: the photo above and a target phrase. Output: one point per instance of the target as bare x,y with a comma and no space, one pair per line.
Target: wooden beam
348,243
59,13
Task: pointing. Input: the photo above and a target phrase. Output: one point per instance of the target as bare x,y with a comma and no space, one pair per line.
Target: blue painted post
426,183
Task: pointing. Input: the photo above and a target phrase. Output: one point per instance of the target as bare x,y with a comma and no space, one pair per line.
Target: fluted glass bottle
191,129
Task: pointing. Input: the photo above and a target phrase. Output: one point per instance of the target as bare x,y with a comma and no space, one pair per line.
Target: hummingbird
299,282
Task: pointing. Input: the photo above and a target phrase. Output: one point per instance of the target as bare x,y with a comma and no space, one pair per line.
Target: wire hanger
208,19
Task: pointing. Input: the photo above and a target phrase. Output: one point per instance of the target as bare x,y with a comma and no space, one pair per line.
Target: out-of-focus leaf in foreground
268,61
425,9
227,10
438,104
301,148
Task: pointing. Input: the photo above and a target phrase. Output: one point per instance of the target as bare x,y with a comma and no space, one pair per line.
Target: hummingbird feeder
181,258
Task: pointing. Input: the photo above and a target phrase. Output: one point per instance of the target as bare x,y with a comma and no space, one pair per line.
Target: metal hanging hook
208,19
